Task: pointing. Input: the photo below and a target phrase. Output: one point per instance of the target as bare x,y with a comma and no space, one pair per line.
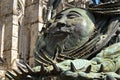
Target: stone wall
20,22
9,26
8,36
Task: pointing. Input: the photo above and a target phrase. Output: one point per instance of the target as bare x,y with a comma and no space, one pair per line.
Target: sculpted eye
59,16
71,16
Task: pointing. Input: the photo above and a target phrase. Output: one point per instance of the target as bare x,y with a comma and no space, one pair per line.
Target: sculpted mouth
60,30
60,33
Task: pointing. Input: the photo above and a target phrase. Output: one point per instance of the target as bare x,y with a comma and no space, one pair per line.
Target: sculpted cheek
77,21
69,22
81,28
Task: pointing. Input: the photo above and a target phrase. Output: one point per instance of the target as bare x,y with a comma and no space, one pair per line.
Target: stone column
10,21
0,38
23,38
33,21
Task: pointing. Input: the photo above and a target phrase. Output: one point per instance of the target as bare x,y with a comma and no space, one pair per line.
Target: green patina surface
68,31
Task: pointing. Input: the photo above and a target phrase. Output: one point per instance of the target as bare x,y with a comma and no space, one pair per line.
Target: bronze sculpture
70,46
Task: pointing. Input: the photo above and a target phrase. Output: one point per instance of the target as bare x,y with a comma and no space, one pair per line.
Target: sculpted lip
61,30
60,33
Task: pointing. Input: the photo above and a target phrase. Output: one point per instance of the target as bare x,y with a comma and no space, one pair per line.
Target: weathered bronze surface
77,45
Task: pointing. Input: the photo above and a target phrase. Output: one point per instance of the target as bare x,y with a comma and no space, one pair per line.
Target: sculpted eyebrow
74,12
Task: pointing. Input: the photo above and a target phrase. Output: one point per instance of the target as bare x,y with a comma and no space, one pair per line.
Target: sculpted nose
60,25
62,21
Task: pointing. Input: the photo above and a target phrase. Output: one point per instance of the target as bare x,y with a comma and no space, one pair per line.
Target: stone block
7,57
34,12
40,14
7,45
15,19
8,19
8,36
14,56
31,61
15,6
6,7
8,27
15,30
27,17
40,19
40,27
10,57
10,30
2,73
31,13
31,2
34,31
2,38
34,34
14,43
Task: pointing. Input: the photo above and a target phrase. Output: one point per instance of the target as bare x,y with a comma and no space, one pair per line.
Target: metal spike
21,65
41,58
59,59
118,71
8,76
73,69
88,69
46,56
29,77
28,68
42,68
22,70
101,68
11,74
56,69
109,77
40,62
16,72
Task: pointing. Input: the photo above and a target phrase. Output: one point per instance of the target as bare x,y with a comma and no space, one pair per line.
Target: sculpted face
69,30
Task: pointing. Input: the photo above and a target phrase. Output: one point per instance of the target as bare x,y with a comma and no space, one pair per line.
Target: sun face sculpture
68,35
68,30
